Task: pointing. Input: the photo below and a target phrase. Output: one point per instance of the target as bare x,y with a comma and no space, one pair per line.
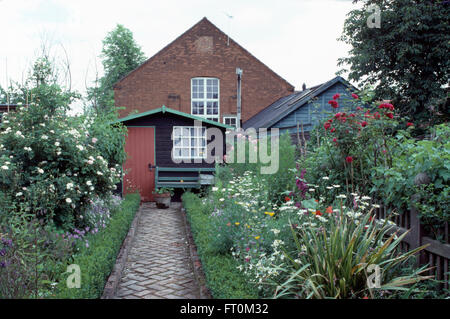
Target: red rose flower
333,130
336,96
333,103
337,115
358,108
349,159
355,96
409,124
287,199
390,115
363,123
335,140
327,125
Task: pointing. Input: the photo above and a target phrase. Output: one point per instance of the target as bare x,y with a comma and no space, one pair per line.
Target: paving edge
196,262
110,289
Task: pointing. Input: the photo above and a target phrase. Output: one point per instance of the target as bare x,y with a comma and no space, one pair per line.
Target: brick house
196,74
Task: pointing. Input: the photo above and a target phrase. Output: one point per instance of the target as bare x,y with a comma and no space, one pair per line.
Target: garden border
195,259
110,288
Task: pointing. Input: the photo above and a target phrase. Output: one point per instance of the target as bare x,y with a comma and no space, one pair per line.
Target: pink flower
355,96
94,140
336,96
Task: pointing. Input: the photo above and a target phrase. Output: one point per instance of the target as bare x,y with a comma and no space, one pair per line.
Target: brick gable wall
202,51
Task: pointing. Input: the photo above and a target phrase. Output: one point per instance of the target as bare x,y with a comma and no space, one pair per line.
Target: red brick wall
202,51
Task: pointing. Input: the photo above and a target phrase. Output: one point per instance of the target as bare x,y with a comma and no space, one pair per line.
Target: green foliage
279,180
42,87
331,261
223,278
406,59
97,260
29,252
163,190
397,184
50,164
120,55
351,143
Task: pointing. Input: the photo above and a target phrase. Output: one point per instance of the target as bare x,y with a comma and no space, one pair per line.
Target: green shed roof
164,109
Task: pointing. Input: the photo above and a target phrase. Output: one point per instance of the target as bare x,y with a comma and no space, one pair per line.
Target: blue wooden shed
305,107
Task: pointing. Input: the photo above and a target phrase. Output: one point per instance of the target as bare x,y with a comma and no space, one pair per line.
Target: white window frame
230,117
205,99
199,147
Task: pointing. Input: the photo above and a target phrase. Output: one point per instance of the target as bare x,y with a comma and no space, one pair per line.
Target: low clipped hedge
97,260
223,278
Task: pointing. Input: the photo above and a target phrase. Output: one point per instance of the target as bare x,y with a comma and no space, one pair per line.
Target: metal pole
239,80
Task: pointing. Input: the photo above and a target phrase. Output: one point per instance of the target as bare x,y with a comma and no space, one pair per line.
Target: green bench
180,180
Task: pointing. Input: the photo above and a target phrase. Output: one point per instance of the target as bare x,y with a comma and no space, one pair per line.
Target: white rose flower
68,200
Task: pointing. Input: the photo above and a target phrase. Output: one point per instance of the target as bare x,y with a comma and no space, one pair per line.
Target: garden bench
184,177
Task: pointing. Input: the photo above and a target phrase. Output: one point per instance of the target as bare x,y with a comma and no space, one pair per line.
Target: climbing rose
355,96
386,106
327,125
336,96
363,123
390,115
333,103
333,130
409,124
349,159
335,140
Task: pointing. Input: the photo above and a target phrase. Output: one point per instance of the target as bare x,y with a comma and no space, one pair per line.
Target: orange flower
316,200
329,210
229,224
318,213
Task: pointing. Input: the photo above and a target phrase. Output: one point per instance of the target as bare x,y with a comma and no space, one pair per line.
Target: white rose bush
52,166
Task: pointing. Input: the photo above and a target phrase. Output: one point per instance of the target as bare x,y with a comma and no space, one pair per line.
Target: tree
120,55
44,86
405,59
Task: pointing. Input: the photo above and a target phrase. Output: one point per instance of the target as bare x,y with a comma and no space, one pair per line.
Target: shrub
97,259
419,175
222,276
51,166
332,260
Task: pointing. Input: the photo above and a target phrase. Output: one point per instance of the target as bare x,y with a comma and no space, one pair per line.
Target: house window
189,142
205,98
230,120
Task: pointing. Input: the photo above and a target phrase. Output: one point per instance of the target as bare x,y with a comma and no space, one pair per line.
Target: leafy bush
332,259
223,278
51,166
97,259
28,253
419,168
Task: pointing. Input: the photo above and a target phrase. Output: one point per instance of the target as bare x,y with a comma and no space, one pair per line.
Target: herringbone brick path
159,264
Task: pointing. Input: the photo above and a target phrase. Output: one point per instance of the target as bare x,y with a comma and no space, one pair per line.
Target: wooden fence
436,255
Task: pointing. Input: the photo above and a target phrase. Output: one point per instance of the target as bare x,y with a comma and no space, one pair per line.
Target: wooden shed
167,148
303,108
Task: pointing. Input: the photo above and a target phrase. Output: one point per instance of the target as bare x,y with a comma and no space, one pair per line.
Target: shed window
189,142
205,98
230,120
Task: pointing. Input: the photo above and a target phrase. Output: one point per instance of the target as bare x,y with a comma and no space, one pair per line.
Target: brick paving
159,265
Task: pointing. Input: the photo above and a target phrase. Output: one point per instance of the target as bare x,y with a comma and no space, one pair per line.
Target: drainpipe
239,80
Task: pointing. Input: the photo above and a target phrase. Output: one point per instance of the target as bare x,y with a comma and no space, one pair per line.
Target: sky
296,38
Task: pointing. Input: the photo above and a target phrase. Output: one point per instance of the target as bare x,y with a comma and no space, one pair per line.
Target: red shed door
140,147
